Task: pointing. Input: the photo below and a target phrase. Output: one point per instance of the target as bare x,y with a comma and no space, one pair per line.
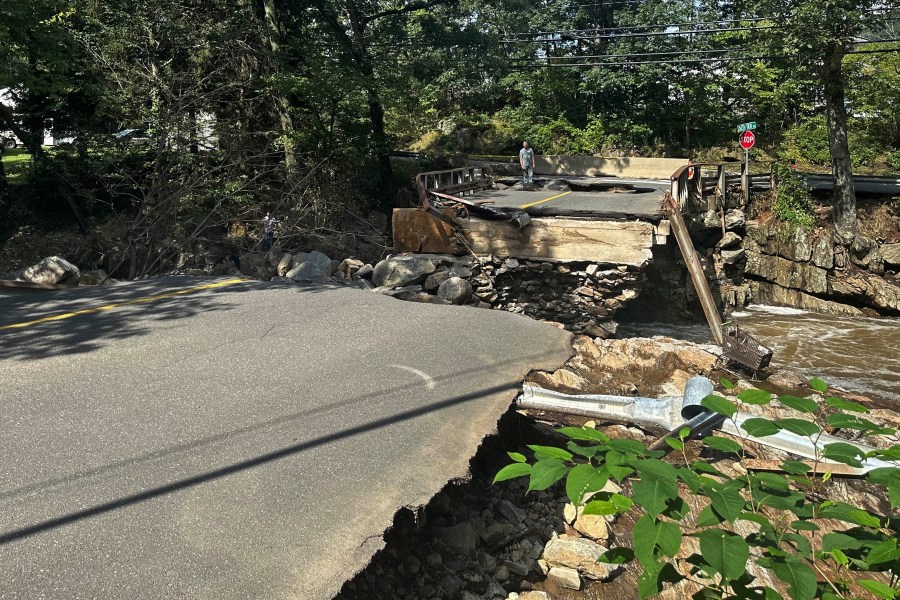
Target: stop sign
747,139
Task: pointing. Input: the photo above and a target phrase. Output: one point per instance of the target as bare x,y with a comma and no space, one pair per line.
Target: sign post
746,140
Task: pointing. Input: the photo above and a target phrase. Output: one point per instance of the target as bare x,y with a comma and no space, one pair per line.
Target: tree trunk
7,116
384,179
844,215
283,102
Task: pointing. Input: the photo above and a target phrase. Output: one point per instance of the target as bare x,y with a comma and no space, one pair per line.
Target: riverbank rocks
791,266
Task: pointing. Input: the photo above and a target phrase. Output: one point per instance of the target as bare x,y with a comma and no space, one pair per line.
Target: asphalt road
248,440
607,197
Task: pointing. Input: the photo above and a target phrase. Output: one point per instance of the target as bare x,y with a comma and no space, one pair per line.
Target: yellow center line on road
546,200
88,311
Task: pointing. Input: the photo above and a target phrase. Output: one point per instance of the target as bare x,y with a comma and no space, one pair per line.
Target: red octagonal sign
747,139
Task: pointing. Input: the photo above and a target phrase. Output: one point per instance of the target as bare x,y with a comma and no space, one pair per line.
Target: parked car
8,140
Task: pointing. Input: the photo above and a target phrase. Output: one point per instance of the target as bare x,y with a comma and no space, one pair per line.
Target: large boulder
285,264
456,290
257,265
52,270
404,270
314,267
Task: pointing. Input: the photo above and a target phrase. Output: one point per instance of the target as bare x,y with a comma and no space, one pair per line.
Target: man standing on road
526,160
268,238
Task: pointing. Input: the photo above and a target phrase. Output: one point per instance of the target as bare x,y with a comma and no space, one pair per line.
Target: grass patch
16,162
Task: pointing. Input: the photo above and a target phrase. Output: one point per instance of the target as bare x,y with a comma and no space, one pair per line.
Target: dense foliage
239,106
751,528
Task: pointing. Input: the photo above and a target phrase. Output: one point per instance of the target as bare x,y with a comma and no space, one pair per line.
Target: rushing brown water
858,354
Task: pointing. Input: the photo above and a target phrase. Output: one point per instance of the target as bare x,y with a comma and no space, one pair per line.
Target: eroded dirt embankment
477,540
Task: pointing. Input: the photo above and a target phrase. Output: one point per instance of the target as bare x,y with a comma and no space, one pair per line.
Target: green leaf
708,517
772,481
519,458
704,467
585,451
674,444
652,493
719,405
725,552
886,551
545,473
652,467
726,383
722,444
759,427
757,518
512,471
627,446
844,453
585,434
616,504
583,479
804,405
726,501
888,477
801,544
617,556
851,514
818,385
841,404
798,426
839,557
804,526
651,535
799,577
881,590
684,433
844,421
544,452
754,396
691,479
795,467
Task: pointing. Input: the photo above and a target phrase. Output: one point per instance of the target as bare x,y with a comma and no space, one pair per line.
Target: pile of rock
583,297
476,541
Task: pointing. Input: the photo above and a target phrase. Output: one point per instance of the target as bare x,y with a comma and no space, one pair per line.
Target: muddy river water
859,354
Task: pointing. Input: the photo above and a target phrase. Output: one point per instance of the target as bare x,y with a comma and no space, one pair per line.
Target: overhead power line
648,26
567,37
681,61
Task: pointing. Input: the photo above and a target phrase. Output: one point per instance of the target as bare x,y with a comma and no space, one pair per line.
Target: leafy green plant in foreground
782,512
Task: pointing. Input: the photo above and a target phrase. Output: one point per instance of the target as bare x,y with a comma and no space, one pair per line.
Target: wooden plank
417,231
698,278
616,242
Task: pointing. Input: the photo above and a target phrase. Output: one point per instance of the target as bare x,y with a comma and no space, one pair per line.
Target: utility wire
684,61
566,37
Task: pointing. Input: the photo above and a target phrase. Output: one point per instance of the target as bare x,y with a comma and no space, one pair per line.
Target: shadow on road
136,498
87,332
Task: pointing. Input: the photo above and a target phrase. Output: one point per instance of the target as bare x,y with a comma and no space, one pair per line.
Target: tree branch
412,6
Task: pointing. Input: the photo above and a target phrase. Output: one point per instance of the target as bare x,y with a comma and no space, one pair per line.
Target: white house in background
9,139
